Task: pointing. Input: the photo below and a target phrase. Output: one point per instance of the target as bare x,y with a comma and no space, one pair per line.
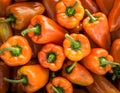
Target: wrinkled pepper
76,46
20,14
96,26
77,74
51,56
43,30
69,13
59,85
99,61
15,51
5,31
114,16
101,85
33,77
105,5
4,72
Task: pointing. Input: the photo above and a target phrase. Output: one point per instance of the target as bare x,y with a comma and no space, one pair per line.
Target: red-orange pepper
114,16
15,51
76,46
59,85
69,13
96,26
33,77
43,30
51,56
77,74
99,61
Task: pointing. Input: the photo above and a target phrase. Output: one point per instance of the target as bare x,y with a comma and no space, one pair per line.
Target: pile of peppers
59,46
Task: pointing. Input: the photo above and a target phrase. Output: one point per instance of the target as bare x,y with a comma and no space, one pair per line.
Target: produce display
59,46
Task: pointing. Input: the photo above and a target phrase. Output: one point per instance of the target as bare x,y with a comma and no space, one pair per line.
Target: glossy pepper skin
105,5
101,85
43,30
76,46
33,77
96,26
114,17
15,51
99,61
4,72
51,56
77,74
69,13
20,14
59,85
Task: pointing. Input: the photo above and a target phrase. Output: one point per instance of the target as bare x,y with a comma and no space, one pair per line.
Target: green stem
104,62
92,18
69,68
51,57
75,44
36,29
52,75
57,89
70,11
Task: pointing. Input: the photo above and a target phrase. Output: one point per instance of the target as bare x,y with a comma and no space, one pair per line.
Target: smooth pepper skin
114,17
51,56
98,30
67,17
61,83
21,58
23,12
78,75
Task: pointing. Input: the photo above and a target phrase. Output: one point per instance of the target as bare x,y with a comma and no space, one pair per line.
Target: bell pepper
105,5
4,72
114,17
90,5
20,14
96,26
15,51
5,31
59,85
43,30
3,5
99,61
101,85
29,77
51,56
77,74
20,1
76,46
69,13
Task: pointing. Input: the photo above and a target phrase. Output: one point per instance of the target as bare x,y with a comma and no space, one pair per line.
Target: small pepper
69,13
77,74
59,85
99,61
114,16
33,77
15,51
20,14
43,30
76,46
51,56
96,26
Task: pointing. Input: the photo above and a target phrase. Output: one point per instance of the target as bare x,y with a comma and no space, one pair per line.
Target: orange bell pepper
20,14
59,85
51,56
33,77
77,74
114,16
99,61
15,51
43,30
76,46
69,13
96,26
